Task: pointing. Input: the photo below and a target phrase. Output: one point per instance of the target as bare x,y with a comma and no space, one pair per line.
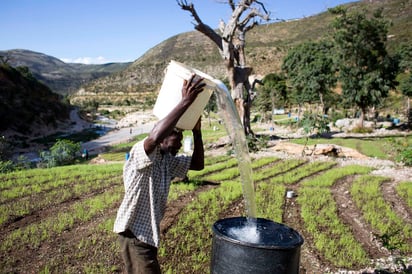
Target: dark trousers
139,257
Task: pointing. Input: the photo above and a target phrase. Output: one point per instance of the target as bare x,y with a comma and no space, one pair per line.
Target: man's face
172,143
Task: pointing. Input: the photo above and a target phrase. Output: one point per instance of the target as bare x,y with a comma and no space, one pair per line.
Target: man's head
172,143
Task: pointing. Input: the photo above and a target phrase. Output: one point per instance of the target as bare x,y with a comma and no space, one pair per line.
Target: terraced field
60,220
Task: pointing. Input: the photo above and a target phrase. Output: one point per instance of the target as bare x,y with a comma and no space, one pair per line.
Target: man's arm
164,127
198,156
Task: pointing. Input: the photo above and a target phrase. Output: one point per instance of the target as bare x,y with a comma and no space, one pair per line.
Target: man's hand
191,88
165,126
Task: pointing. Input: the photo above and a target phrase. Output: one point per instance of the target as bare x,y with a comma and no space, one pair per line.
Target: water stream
234,128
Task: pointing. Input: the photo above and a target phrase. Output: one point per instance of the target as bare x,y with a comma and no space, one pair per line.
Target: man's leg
139,257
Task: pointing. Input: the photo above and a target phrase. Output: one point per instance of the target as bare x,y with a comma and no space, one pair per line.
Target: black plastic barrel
276,250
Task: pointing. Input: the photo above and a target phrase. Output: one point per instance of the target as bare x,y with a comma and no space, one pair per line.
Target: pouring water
234,128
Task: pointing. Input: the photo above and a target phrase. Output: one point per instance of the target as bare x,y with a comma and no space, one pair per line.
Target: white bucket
170,94
290,194
187,144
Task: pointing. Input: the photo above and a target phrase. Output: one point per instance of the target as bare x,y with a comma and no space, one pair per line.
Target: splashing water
248,233
234,128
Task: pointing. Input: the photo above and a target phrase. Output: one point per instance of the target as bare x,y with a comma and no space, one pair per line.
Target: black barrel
276,250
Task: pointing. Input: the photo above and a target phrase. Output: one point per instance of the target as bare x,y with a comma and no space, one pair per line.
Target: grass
195,245
93,192
330,235
394,233
36,233
381,148
304,171
404,190
319,212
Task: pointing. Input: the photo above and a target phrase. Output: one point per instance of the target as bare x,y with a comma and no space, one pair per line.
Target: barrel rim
218,234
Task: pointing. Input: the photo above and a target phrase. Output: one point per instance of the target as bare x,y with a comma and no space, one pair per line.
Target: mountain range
62,78
266,47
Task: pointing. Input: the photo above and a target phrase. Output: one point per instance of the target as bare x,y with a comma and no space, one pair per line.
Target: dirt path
310,260
115,136
77,123
397,204
352,217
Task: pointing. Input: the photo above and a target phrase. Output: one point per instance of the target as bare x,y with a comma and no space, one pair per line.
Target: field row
63,217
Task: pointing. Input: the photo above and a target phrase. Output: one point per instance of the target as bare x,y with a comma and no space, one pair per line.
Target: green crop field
60,220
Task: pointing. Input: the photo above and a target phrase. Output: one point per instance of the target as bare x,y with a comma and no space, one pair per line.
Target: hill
266,47
62,78
26,105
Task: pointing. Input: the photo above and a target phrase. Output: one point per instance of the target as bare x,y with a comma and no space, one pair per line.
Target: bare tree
231,41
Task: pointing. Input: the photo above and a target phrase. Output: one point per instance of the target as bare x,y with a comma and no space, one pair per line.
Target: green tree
366,71
404,79
63,152
405,86
311,72
273,93
404,54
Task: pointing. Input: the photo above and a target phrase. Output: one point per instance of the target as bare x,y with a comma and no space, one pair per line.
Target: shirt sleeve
180,165
137,161
138,157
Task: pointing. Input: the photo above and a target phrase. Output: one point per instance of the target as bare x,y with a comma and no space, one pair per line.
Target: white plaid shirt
147,181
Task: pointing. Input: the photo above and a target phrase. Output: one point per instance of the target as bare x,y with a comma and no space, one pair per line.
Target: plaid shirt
147,181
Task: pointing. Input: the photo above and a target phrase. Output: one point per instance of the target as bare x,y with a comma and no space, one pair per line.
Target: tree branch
199,25
233,22
263,7
252,15
232,5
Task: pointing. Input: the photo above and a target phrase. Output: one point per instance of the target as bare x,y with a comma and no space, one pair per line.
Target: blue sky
102,31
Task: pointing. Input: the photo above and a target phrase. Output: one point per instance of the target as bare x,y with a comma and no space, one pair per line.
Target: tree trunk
362,117
231,43
322,104
241,95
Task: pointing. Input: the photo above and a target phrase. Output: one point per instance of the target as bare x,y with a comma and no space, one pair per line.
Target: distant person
147,175
85,154
131,130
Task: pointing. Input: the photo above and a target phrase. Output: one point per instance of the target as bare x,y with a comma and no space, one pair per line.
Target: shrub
63,152
315,123
405,156
6,166
403,149
22,162
256,143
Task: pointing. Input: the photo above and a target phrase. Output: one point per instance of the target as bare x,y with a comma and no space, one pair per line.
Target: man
147,175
